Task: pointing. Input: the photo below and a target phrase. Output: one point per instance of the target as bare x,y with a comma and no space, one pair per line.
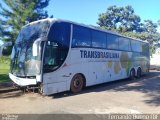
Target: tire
40,89
139,73
132,74
77,83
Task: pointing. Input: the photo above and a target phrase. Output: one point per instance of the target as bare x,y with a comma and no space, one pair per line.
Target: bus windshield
23,63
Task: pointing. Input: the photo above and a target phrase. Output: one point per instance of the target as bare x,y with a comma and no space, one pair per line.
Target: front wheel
77,83
132,74
40,89
139,73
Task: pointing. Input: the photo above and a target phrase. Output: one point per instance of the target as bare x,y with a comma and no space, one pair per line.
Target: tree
153,39
120,18
158,22
125,21
17,14
38,12
150,27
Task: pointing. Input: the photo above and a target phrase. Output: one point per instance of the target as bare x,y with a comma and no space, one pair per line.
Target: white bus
57,55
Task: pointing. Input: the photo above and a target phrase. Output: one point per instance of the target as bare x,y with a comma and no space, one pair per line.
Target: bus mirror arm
36,44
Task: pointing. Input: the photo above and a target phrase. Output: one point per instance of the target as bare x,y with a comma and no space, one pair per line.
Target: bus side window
50,55
57,47
99,39
60,33
145,49
81,37
124,44
112,41
136,46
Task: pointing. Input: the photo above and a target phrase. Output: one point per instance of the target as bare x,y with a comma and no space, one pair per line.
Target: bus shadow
13,94
148,84
8,91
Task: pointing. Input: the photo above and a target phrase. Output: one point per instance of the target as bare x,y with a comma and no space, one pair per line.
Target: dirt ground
124,96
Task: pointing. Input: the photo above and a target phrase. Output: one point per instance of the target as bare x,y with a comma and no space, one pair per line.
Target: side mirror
36,45
13,53
35,49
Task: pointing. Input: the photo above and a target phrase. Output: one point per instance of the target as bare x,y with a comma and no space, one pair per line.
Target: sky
87,11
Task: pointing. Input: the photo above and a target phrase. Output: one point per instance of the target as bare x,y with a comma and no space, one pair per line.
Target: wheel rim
77,84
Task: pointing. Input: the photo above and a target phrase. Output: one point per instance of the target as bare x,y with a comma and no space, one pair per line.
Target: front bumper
22,81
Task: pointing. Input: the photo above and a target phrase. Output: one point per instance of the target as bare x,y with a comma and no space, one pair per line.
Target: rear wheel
132,74
139,73
77,83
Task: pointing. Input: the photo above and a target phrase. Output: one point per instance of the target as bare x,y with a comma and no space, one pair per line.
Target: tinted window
98,39
57,47
60,33
145,49
81,36
136,46
112,41
124,44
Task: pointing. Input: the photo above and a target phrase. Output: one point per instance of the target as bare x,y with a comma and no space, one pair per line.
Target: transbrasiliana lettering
97,54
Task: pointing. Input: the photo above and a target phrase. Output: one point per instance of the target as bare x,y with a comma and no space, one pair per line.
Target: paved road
125,96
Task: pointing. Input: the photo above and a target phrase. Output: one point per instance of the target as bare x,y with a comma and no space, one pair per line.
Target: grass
4,69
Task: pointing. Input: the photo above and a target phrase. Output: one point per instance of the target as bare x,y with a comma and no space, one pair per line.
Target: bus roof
52,20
